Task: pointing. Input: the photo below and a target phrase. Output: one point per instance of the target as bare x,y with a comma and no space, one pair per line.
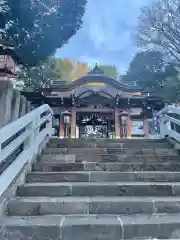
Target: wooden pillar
61,128
146,128
117,124
129,127
73,123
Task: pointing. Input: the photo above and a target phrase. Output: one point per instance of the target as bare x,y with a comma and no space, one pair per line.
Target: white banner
91,130
135,111
137,127
77,132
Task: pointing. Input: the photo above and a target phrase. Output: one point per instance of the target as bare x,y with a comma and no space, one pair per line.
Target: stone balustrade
12,104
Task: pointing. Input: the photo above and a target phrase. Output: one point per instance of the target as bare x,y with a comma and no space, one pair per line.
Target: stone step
99,189
79,227
83,143
101,176
106,140
89,145
96,166
102,151
109,158
144,151
34,206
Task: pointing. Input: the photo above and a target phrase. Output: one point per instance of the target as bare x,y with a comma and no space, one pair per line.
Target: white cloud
106,33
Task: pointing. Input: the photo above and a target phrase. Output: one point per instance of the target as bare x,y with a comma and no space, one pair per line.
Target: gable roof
94,77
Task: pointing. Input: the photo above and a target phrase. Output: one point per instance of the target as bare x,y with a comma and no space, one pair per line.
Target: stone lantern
124,118
66,116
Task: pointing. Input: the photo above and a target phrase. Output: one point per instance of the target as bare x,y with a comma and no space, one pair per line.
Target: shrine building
97,103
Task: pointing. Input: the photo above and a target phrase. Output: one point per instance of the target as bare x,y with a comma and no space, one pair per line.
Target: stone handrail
169,122
20,142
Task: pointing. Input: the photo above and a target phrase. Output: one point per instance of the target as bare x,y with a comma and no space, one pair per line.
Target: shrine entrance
99,125
98,104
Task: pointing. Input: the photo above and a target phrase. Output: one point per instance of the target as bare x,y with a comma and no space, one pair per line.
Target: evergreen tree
39,27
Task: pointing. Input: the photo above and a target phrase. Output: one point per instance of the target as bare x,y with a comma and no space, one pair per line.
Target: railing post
162,128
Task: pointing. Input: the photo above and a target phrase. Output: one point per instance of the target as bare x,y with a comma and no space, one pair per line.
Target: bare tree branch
159,28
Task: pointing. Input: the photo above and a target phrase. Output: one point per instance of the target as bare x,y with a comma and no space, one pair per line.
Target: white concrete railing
20,142
169,122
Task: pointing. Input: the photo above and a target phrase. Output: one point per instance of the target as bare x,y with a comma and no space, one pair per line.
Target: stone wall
12,104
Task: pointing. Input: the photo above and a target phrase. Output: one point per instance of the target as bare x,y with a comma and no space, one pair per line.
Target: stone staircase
98,190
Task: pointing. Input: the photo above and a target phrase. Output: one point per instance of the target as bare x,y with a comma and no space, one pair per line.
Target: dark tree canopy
148,69
39,27
41,75
159,30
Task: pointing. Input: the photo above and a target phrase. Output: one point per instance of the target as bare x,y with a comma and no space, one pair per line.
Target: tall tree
40,76
109,70
71,70
159,28
150,72
65,67
54,69
39,27
79,69
171,90
147,69
3,12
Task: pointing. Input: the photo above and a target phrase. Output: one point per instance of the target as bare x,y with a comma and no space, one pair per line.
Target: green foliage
171,90
159,28
39,27
64,66
40,76
146,69
109,70
151,73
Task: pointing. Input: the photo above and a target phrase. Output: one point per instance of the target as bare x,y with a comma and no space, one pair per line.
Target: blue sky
106,35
